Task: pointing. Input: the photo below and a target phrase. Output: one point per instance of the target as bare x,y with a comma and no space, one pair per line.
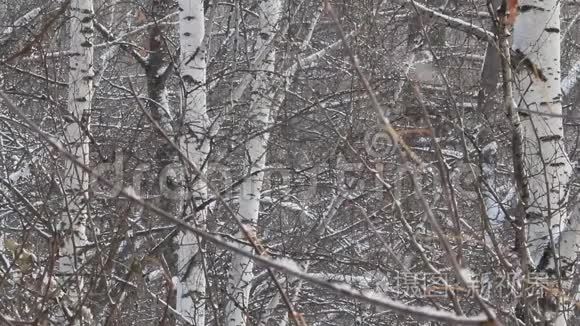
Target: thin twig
381,114
340,288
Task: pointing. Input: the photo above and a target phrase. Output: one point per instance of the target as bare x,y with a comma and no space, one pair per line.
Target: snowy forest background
288,162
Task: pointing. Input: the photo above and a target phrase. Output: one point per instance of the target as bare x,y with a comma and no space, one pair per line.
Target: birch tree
296,156
241,271
536,42
194,140
75,181
537,39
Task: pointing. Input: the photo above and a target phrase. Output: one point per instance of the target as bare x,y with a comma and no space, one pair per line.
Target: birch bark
537,39
240,275
537,36
75,181
191,301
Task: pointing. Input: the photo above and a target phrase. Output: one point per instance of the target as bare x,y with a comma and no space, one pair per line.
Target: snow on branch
456,23
344,289
570,81
29,16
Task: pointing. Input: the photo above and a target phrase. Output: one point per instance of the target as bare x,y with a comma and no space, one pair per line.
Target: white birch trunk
191,287
72,224
567,251
240,275
537,35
